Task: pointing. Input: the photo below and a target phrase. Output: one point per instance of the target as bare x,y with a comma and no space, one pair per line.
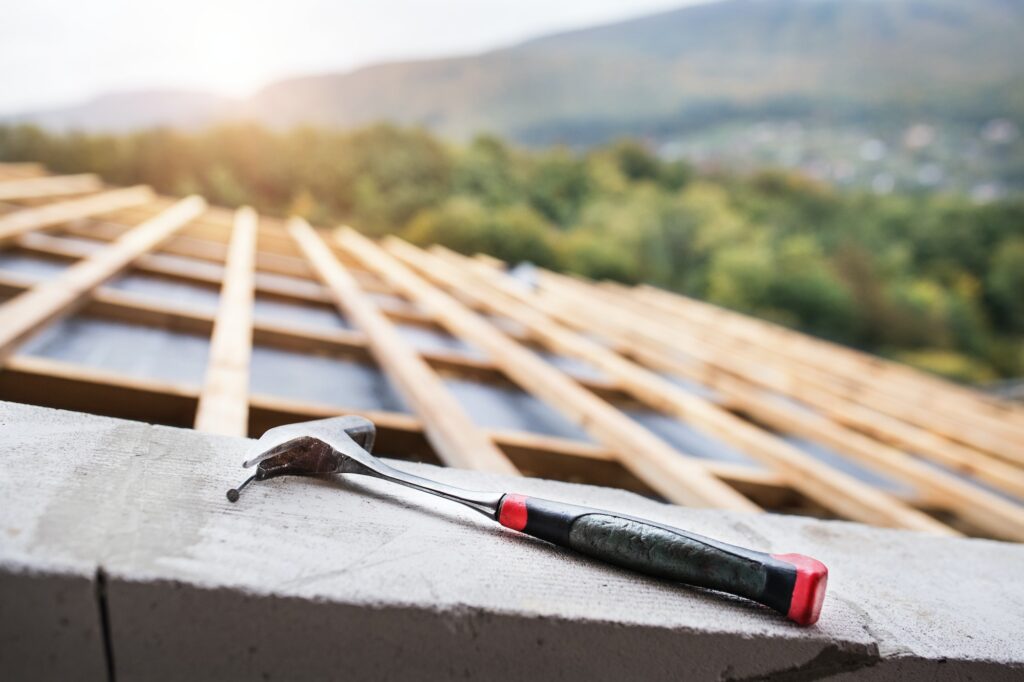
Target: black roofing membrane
847,465
505,407
688,440
172,291
37,267
573,366
323,379
130,349
432,339
277,311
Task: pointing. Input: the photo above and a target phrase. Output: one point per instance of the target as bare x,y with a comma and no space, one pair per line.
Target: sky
59,52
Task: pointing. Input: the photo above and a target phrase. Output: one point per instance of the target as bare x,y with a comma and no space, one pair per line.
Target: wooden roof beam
14,170
50,186
875,382
659,347
709,362
828,487
991,513
997,437
29,311
855,363
132,308
224,399
675,476
209,274
28,219
456,439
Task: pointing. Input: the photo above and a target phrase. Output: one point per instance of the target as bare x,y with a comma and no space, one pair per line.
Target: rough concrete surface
359,579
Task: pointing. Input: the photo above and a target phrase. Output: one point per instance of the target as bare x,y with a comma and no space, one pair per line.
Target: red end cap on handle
513,511
809,590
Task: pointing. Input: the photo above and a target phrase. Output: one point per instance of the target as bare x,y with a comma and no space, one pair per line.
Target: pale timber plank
52,186
28,219
830,488
658,464
224,399
134,308
881,386
992,514
456,439
27,312
854,364
706,364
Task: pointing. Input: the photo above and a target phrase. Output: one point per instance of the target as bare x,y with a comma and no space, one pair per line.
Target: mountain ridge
673,69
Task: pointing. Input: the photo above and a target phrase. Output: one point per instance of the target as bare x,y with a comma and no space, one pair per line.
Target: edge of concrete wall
310,578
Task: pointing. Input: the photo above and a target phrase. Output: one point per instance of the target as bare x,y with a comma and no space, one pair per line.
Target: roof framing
770,383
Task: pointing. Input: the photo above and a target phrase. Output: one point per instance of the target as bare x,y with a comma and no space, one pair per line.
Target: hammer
792,584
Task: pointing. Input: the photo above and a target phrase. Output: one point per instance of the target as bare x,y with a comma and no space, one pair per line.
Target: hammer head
309,448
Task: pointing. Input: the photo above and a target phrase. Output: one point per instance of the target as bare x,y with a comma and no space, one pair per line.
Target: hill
849,59
660,74
133,110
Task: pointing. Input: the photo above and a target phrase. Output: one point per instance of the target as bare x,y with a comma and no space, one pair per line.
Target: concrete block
50,625
357,578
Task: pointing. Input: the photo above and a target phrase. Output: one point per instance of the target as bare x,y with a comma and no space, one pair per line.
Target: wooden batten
51,186
705,363
650,458
874,383
995,515
44,302
224,399
828,487
456,439
39,217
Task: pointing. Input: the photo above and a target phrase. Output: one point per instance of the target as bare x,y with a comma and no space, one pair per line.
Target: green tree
1005,280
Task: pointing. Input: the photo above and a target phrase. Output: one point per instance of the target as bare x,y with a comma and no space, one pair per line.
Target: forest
932,279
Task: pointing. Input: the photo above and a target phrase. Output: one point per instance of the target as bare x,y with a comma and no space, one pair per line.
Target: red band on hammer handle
513,512
809,590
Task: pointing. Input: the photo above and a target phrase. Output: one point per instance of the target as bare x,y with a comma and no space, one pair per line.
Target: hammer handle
792,584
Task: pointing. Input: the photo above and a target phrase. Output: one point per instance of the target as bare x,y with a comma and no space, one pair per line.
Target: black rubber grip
671,553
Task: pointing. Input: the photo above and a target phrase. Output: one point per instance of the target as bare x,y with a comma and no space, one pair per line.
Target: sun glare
224,55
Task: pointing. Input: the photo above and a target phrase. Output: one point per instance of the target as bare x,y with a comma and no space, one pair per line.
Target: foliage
934,279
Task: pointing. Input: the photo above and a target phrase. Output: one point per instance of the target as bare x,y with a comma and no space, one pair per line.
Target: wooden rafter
44,302
49,186
13,171
39,217
694,358
855,366
987,511
201,249
70,386
133,308
679,478
830,488
456,439
224,399
208,272
843,374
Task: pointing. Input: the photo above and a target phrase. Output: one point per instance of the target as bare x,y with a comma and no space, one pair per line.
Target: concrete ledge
356,578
